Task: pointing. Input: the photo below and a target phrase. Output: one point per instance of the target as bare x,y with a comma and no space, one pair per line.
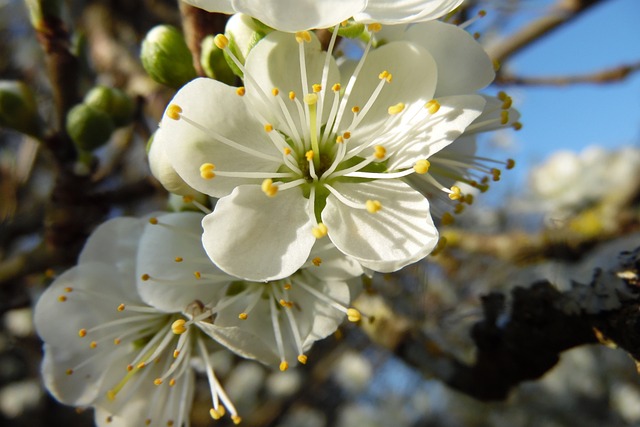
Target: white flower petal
467,70
398,234
296,15
163,171
256,237
216,107
171,253
404,11
274,63
334,264
220,6
438,130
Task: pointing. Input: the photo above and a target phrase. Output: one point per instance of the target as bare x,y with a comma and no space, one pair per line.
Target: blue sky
576,116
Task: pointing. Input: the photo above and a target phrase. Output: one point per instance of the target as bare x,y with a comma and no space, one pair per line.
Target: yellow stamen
346,135
317,261
374,27
121,307
336,87
284,365
236,419
268,127
422,166
157,381
197,274
373,206
243,316
432,106
269,188
309,155
353,315
178,259
504,117
379,152
206,171
221,41
316,88
215,414
310,99
396,109
456,193
62,298
292,95
145,277
173,112
339,139
302,359
303,36
172,382
153,220
319,231
82,333
241,91
447,219
286,151
511,164
275,91
355,109
178,327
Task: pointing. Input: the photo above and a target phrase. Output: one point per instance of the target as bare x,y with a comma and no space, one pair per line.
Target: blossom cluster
315,170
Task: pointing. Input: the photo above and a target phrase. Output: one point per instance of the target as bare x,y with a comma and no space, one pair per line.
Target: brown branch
197,24
609,75
525,340
563,12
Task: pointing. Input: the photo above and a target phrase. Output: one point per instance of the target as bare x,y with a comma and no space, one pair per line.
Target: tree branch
609,75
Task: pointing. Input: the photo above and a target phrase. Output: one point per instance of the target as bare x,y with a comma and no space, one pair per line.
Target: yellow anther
468,199
170,423
346,135
507,103
275,91
269,188
389,78
292,95
157,381
241,91
236,419
221,41
373,206
285,303
147,422
383,75
496,65
484,179
353,315
456,193
173,112
284,365
502,95
286,151
62,298
496,173
432,106
459,208
268,127
93,344
129,368
379,152
316,88
374,27
422,166
447,219
287,286
339,139
302,359
178,259
178,327
153,220
243,316
215,414
511,164
188,198
476,35
117,341
197,275
121,307
319,231
517,126
310,99
504,117
355,109
206,171
68,289
176,353
303,36
145,277
82,333
482,13
172,382
317,261
396,109
309,155
69,371
336,87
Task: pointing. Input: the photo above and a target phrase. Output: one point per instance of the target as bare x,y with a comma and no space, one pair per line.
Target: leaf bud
18,108
117,104
88,127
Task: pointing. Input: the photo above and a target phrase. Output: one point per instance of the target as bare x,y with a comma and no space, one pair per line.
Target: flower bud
243,33
166,57
117,104
350,29
88,127
214,63
18,109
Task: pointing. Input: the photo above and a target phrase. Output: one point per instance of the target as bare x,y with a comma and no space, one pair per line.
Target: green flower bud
88,127
18,109
117,104
166,57
214,63
350,29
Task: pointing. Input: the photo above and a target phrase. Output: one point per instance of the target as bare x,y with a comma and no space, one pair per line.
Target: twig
197,24
609,75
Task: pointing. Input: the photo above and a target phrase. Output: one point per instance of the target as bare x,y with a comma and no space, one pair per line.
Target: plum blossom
274,322
296,15
302,153
105,348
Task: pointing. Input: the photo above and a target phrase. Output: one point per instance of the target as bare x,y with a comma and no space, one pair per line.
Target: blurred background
571,205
